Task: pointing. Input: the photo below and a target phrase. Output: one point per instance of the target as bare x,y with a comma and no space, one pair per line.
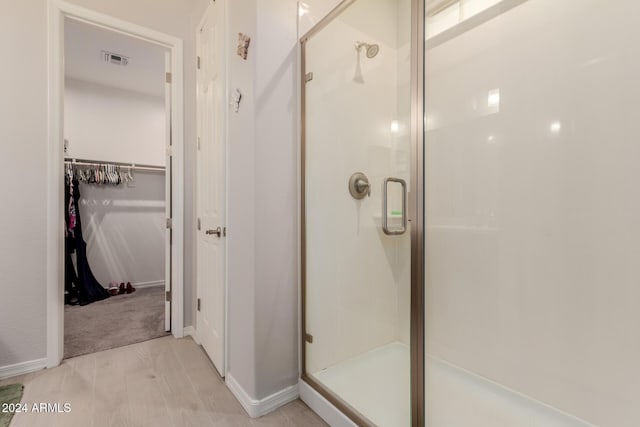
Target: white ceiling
83,59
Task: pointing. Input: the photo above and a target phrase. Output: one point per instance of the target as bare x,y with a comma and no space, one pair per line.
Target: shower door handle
385,207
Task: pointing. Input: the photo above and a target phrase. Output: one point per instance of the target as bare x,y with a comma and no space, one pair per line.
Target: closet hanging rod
135,166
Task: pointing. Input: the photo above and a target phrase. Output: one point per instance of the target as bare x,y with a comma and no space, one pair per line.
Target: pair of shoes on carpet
114,289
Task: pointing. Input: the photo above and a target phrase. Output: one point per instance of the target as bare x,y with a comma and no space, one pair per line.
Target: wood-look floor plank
274,419
163,382
77,389
185,405
300,415
41,387
111,408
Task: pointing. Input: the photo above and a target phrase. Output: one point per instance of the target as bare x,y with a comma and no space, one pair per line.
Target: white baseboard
191,331
22,368
257,408
142,285
323,407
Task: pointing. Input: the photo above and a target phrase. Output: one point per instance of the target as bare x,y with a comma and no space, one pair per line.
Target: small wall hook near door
236,97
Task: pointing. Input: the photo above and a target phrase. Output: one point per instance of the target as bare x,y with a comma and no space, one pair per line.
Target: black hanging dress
87,287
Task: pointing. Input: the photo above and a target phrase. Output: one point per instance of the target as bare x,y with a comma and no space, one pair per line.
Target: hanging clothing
83,285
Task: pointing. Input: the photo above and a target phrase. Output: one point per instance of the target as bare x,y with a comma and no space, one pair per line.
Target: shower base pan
377,384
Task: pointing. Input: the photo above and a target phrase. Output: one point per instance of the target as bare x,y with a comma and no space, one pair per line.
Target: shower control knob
359,186
363,186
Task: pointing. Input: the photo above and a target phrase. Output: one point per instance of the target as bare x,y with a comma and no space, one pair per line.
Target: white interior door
167,174
210,314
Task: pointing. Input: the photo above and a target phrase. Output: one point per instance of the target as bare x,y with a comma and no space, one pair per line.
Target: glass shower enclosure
470,212
359,211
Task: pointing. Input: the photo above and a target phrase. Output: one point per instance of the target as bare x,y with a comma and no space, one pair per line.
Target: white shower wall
532,207
357,277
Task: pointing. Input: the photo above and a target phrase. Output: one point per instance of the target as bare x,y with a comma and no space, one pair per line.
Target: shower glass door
357,230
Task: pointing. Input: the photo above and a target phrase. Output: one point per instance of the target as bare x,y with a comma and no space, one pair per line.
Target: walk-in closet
117,189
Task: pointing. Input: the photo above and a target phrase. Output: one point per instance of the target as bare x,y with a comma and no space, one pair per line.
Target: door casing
168,194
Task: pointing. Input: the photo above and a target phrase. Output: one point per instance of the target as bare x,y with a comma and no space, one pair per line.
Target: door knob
217,232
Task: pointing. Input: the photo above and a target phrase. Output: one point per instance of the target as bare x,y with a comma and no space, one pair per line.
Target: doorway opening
117,190
116,184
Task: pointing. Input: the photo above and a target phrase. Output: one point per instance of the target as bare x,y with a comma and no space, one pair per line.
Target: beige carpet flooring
114,322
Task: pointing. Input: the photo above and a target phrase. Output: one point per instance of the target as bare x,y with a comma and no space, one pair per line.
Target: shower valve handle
359,186
363,186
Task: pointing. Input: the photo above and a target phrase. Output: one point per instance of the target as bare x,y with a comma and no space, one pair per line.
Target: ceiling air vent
114,58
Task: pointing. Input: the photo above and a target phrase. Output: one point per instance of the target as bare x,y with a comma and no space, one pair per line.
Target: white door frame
58,10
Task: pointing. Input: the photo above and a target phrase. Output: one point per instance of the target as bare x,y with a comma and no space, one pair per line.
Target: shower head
370,49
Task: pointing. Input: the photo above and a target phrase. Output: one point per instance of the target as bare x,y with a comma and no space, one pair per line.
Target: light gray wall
276,146
263,199
241,252
124,228
23,159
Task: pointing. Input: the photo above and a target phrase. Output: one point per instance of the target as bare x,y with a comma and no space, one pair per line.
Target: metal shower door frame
415,212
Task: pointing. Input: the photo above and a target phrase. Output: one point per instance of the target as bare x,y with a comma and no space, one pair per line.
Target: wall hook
243,45
236,97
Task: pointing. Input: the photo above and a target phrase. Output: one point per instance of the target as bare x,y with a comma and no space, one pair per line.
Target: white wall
454,14
312,11
124,228
532,230
357,277
23,128
109,124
